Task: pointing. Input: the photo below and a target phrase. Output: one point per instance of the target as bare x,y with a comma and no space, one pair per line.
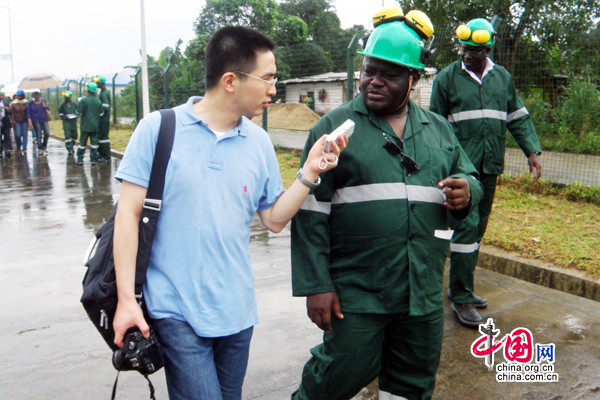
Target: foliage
258,14
292,30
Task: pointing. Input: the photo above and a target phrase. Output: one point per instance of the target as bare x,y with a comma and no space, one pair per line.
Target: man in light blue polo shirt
200,287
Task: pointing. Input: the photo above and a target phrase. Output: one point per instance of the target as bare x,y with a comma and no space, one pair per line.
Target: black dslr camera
139,353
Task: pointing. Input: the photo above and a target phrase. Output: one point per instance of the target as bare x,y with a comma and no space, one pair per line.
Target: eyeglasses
394,150
472,53
272,83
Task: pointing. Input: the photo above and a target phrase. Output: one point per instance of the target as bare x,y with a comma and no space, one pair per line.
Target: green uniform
103,140
90,109
480,114
377,236
68,113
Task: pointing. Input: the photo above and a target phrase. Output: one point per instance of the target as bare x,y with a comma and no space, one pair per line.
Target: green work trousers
70,135
93,136
466,240
403,351
103,140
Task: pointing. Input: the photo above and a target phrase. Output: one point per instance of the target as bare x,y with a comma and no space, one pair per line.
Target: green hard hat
100,79
478,32
397,43
92,87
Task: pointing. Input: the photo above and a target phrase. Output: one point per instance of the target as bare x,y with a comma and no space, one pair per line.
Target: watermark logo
519,351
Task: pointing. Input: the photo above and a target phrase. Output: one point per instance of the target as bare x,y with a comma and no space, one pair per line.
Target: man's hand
128,314
458,194
534,162
315,164
319,308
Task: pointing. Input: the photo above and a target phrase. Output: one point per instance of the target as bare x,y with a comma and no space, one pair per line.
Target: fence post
167,99
495,24
137,111
114,88
264,120
57,105
350,80
79,84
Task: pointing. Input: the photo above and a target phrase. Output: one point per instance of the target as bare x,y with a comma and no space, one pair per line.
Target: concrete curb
566,280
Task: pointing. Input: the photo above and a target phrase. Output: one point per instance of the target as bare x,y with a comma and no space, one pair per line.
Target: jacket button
411,237
412,207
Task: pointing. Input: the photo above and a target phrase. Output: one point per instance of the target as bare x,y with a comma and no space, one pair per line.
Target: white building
329,89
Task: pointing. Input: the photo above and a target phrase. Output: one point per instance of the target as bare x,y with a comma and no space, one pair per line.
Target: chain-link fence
559,83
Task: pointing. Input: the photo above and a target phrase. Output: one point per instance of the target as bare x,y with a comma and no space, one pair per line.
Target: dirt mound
293,116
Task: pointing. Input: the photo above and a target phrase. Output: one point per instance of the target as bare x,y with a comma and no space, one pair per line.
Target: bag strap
162,154
156,185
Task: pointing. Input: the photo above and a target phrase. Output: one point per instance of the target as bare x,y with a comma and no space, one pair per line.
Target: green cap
100,79
478,32
396,43
92,87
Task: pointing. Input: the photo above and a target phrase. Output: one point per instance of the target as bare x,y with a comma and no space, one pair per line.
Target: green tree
292,30
262,15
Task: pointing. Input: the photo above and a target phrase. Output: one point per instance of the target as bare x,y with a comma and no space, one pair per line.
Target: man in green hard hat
369,244
90,109
104,127
479,100
68,113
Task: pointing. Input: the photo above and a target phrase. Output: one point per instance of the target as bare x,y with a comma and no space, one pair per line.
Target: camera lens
117,359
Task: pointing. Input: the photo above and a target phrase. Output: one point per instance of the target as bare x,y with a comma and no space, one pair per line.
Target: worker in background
480,101
103,140
5,121
90,109
68,113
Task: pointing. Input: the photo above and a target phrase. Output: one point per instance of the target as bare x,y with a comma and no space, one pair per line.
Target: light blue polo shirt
200,269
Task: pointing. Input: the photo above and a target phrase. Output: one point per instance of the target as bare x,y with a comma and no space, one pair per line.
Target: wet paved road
49,209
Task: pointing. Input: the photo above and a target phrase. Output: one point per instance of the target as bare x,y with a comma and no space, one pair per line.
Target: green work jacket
90,109
481,113
105,100
68,113
371,232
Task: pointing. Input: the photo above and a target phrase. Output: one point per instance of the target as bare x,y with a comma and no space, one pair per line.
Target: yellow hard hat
388,14
420,23
478,32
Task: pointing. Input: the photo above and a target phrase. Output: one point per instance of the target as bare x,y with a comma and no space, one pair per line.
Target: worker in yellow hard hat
479,99
67,112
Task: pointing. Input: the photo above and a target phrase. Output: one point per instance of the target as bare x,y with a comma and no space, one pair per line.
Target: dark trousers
404,351
5,139
103,140
466,240
70,129
93,136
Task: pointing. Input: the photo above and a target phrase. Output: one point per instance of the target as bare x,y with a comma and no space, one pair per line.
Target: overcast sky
71,38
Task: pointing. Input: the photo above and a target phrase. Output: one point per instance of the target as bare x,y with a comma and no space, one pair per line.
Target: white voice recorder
345,129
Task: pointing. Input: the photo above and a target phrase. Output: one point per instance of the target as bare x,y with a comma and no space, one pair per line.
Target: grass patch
557,224
119,134
289,163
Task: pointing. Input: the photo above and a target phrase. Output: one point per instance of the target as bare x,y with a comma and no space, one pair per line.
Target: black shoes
79,164
479,301
467,315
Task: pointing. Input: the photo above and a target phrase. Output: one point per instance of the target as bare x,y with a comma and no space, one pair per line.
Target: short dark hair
233,48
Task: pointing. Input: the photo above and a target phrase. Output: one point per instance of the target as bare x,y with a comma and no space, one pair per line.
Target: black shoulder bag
99,283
